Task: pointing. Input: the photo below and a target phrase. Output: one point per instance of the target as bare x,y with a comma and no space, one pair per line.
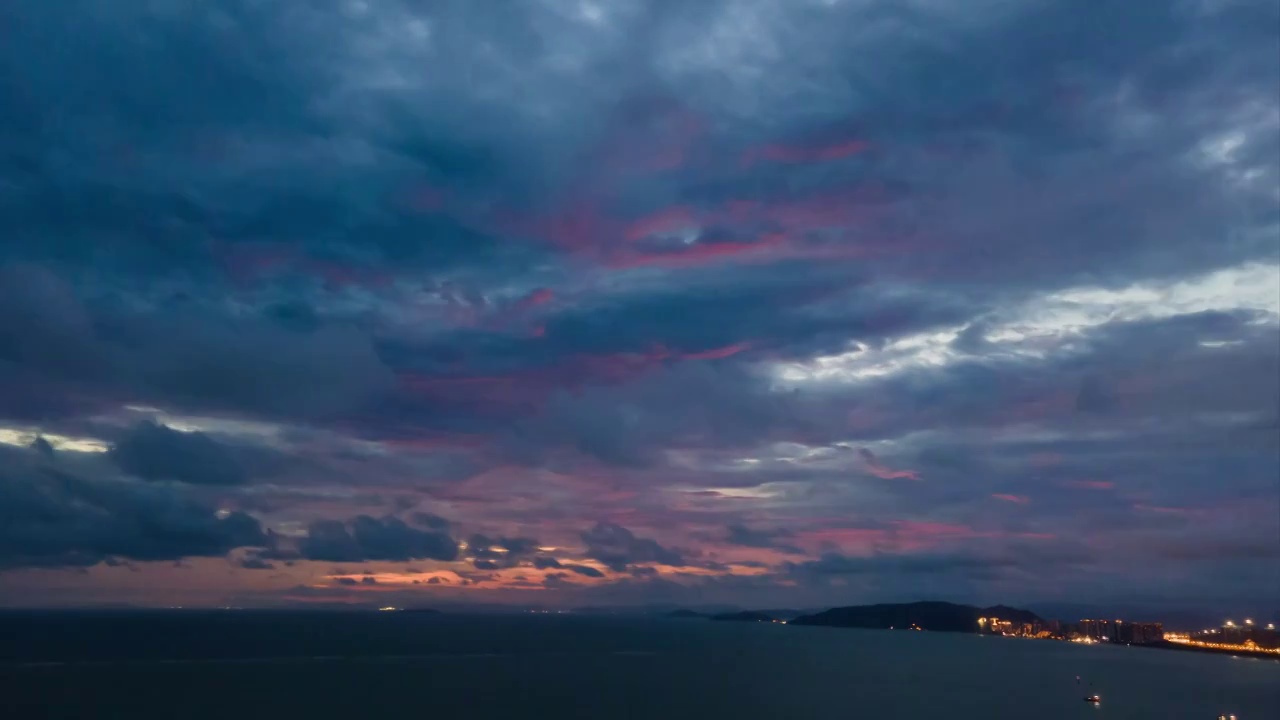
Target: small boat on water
1095,699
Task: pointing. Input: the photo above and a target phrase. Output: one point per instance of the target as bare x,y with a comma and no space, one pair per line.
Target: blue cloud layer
770,300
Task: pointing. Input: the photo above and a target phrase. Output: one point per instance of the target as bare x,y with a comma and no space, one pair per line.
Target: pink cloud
939,530
1092,484
1166,510
1017,499
718,353
847,539
697,254
1045,460
804,153
899,536
541,296
664,221
530,388
583,225
875,467
928,528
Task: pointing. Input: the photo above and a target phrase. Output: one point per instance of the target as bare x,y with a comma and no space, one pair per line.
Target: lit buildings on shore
1246,637
1116,631
1011,628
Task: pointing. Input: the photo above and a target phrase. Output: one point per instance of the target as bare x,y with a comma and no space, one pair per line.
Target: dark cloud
617,547
255,562
836,564
761,538
154,452
42,446
427,520
631,424
746,284
369,538
975,563
52,516
586,570
502,552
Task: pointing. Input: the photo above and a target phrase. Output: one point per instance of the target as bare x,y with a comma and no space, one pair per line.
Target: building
1141,633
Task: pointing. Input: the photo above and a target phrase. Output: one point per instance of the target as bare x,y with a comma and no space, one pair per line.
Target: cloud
1010,498
255,562
154,452
369,538
758,538
983,562
1019,265
875,467
184,355
502,552
434,522
42,446
617,547
1092,484
52,516
585,570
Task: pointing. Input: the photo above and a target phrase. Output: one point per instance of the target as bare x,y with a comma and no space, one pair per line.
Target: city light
1247,638
1247,646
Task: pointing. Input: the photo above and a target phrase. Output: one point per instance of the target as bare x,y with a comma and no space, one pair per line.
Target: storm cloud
783,301
155,452
369,538
53,516
617,547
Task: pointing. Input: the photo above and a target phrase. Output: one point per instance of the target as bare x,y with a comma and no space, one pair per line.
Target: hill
684,614
744,616
941,616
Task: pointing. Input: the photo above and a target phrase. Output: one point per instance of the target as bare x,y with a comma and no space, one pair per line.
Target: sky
772,303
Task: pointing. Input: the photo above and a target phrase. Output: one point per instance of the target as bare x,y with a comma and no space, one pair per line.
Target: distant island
684,614
744,616
937,616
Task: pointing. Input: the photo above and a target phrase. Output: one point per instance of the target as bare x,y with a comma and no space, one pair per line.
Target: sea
234,665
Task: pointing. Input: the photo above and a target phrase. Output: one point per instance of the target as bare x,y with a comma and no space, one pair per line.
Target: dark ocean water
237,665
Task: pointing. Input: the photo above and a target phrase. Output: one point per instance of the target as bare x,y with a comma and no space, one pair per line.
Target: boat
1093,699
